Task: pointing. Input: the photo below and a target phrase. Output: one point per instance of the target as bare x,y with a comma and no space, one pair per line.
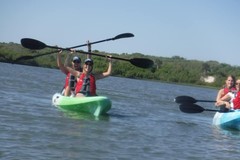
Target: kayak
96,105
227,120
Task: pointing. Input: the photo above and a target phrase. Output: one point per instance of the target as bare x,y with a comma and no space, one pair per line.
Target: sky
204,30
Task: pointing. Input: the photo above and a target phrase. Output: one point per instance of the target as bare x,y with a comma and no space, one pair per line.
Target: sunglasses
89,64
76,61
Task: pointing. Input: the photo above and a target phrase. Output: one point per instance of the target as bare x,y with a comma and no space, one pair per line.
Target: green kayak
96,105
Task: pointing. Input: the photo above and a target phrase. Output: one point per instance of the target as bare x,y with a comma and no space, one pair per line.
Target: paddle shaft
68,49
188,99
120,36
83,52
100,55
78,45
193,108
139,62
213,110
92,43
205,101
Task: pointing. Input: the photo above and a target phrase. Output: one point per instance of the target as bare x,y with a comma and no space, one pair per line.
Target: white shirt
232,95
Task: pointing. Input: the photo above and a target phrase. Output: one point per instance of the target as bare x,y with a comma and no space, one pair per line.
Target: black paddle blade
142,62
124,35
190,108
32,43
185,99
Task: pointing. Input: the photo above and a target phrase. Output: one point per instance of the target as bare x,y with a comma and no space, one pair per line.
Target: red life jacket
67,80
236,101
92,84
227,90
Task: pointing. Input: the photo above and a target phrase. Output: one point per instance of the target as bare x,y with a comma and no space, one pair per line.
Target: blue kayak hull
227,120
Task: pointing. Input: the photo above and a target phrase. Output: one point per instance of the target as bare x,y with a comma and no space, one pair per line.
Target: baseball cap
76,58
88,60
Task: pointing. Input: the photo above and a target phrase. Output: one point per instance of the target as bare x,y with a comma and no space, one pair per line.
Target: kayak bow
227,120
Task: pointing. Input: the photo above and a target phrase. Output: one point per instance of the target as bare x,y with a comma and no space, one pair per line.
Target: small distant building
208,79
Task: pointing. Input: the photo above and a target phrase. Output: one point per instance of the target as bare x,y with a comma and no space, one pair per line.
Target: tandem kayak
227,120
96,105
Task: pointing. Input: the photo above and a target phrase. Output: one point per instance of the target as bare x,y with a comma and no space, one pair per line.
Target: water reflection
218,132
85,116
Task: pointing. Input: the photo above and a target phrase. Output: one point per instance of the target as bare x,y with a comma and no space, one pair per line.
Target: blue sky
194,29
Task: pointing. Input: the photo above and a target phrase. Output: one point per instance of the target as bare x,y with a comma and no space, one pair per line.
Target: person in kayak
86,80
232,99
228,87
70,80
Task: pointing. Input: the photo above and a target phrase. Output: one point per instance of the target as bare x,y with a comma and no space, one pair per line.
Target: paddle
35,44
139,62
187,99
193,108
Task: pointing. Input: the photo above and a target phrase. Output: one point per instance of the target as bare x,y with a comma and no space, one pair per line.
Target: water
144,122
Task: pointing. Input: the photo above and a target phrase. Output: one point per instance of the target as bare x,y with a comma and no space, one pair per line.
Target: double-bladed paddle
193,108
35,44
188,99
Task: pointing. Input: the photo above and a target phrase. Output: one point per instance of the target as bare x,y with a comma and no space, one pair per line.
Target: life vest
67,80
86,85
70,81
236,101
227,90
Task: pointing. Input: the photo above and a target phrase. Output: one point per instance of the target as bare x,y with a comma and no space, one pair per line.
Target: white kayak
227,120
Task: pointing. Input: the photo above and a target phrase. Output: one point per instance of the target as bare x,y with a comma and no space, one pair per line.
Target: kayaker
232,99
70,80
228,87
86,80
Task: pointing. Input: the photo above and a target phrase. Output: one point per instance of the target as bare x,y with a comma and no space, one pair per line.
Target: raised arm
66,69
60,64
67,61
108,72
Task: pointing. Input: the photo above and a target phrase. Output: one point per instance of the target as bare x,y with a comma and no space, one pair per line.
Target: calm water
144,122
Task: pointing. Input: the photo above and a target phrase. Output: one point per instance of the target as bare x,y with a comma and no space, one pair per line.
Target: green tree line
175,69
